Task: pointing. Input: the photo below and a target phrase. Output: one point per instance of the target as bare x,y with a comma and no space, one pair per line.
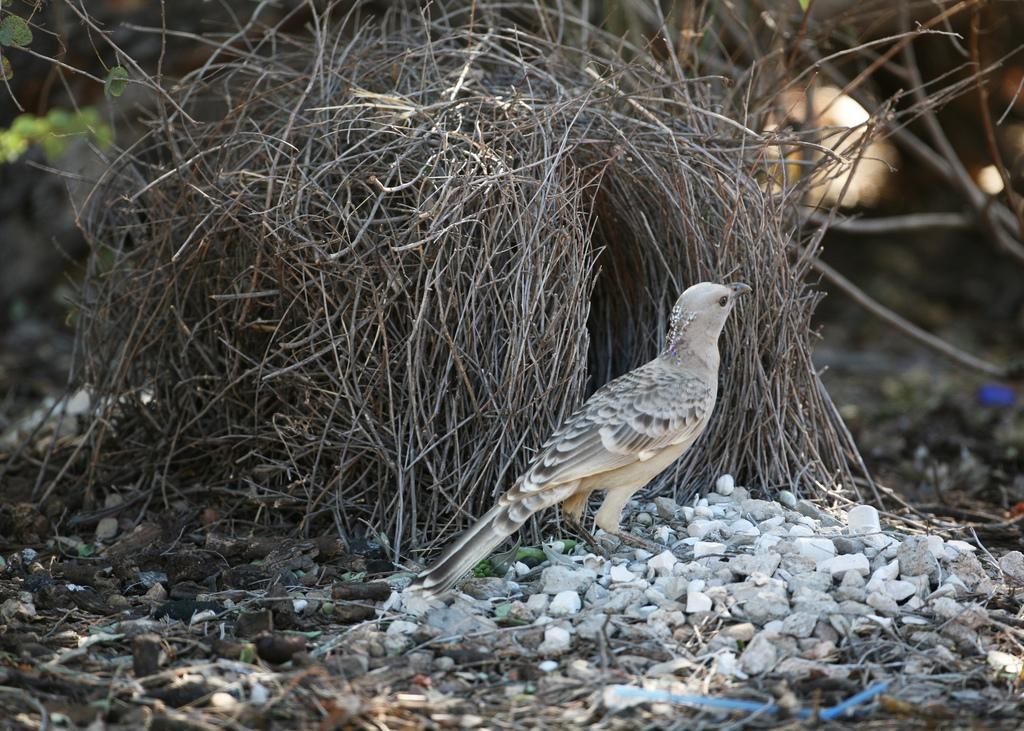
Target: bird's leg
609,518
576,527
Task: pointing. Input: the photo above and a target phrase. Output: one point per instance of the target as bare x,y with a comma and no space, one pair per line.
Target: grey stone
814,580
760,655
747,564
846,545
566,578
969,570
758,510
799,624
761,601
666,507
817,603
916,558
1012,564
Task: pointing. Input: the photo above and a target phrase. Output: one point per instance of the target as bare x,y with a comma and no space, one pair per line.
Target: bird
620,439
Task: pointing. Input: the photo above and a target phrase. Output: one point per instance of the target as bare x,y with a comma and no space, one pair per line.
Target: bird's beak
740,288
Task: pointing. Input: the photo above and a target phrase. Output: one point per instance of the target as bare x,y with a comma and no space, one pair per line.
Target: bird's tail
471,547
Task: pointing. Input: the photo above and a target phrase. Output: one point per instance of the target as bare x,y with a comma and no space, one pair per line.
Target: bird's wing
628,420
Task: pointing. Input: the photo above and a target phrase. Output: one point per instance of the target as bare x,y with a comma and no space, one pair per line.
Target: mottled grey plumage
630,430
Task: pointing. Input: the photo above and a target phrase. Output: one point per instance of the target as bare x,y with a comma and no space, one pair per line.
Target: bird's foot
629,539
587,536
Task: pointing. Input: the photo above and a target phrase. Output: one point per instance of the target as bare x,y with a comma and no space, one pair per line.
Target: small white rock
556,641
621,574
787,498
548,666
726,664
663,563
743,527
401,627
698,601
708,548
863,519
725,485
818,549
954,548
1005,663
858,562
888,572
899,590
565,604
801,531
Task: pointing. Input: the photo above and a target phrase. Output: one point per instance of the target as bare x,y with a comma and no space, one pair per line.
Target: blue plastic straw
731,704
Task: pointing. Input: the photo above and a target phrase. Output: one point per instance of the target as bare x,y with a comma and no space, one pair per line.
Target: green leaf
804,4
14,31
6,72
116,81
530,552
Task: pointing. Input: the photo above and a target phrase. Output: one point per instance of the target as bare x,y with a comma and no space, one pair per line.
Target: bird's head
701,311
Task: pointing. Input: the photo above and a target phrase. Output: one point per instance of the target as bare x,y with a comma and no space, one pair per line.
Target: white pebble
725,485
556,641
863,519
697,601
548,666
743,527
664,533
663,563
888,572
727,664
954,548
817,549
858,562
698,528
708,548
787,498
621,574
565,604
801,530
765,542
1004,662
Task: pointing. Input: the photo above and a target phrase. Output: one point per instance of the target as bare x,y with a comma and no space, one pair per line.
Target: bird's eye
724,301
